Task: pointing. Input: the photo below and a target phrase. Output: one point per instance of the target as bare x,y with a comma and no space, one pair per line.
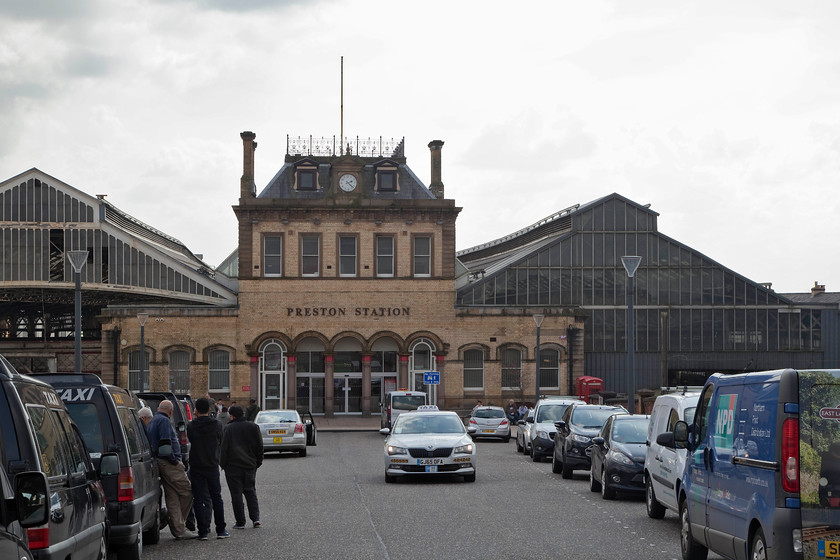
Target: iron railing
328,146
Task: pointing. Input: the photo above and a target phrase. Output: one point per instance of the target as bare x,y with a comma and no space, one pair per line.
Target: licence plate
488,431
278,440
275,432
828,549
431,469
429,461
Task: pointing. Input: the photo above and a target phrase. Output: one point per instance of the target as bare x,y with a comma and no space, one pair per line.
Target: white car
284,430
523,432
663,465
429,442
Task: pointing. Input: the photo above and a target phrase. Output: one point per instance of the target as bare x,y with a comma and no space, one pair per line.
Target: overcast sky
723,116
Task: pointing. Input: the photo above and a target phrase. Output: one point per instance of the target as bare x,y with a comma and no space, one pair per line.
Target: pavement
347,423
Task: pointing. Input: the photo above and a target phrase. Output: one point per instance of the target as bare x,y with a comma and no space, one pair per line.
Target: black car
26,505
107,418
179,418
618,456
38,433
573,439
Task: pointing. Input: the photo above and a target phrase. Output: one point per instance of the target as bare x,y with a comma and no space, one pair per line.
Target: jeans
243,481
207,499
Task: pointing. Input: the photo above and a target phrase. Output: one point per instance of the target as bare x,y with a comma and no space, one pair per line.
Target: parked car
284,430
429,441
39,434
179,417
546,412
523,432
762,478
573,438
490,422
397,402
618,456
664,466
107,418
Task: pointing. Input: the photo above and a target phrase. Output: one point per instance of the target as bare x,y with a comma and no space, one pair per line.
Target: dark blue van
762,477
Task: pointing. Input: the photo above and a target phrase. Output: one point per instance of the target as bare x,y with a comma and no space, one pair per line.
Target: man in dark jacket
251,411
205,434
242,455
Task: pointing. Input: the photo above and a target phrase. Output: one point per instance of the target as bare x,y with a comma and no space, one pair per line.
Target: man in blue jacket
176,486
205,434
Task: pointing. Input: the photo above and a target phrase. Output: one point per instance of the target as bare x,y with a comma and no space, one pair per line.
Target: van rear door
819,458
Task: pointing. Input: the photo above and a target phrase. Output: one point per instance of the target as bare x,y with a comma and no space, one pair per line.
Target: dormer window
387,181
307,180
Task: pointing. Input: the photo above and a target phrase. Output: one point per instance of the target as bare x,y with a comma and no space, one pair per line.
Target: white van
664,465
400,401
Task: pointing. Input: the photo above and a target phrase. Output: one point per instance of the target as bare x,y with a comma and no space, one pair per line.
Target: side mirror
598,440
385,431
530,420
109,465
471,430
681,435
31,498
560,424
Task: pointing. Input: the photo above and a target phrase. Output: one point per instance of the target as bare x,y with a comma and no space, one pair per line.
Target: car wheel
131,551
655,510
302,452
567,469
390,478
534,455
103,547
152,535
469,477
606,492
507,438
691,549
758,550
594,485
556,466
519,448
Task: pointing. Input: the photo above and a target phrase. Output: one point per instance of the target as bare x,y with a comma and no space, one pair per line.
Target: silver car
490,421
523,433
429,442
283,430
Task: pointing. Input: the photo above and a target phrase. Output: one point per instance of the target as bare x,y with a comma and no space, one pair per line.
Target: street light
631,264
142,318
538,319
78,260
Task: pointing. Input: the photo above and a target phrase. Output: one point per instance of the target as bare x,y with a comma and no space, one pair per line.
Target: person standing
205,433
176,486
251,411
241,456
224,416
145,415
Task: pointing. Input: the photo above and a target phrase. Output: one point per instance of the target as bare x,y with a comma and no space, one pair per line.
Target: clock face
347,182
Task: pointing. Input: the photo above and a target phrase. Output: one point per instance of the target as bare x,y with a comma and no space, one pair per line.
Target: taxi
429,441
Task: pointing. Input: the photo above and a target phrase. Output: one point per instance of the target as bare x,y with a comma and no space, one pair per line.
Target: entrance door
272,391
347,395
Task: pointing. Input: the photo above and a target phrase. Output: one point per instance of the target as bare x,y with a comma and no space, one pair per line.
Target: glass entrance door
347,395
272,391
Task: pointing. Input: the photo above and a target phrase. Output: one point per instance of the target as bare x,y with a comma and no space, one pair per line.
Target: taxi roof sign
427,407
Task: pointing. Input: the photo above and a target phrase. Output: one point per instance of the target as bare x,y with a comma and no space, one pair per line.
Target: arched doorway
272,375
383,371
422,360
347,377
310,375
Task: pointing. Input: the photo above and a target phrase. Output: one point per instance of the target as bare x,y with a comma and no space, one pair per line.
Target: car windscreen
87,419
551,412
437,424
591,417
630,431
273,417
489,413
407,402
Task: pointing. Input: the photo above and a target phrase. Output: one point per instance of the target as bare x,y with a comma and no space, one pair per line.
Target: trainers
257,524
222,535
203,537
238,526
185,536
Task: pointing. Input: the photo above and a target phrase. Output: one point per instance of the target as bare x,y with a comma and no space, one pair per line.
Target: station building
345,284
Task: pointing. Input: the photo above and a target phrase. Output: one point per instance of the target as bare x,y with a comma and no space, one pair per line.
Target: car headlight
542,434
620,457
394,450
580,438
468,448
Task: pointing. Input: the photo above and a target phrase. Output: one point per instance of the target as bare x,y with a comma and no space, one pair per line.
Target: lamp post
631,264
142,318
78,260
538,319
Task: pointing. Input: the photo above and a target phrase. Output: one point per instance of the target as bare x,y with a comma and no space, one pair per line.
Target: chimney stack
437,185
247,187
818,289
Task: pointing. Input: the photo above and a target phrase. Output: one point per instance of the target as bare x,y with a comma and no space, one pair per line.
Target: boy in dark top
205,434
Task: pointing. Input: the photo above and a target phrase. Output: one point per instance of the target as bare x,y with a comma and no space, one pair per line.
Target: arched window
179,371
511,368
473,369
135,382
422,360
219,370
549,368
272,374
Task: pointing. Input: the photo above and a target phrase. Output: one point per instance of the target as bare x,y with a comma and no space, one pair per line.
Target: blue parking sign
431,378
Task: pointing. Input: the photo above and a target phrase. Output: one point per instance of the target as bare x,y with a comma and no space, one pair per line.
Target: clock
347,182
